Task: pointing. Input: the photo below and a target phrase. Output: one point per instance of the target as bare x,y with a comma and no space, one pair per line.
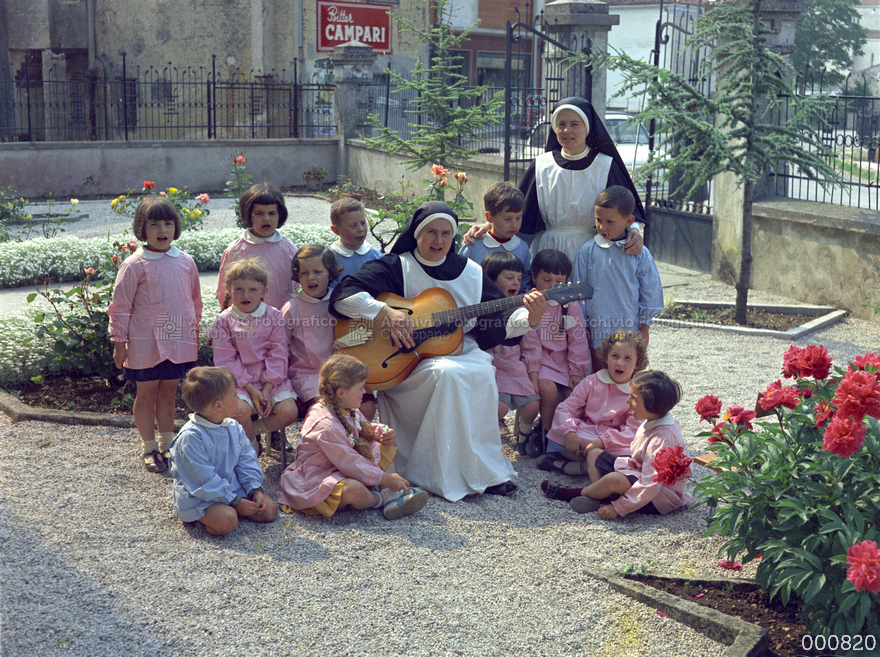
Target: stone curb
742,639
826,316
21,412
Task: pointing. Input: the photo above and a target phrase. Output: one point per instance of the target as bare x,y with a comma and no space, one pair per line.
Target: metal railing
166,103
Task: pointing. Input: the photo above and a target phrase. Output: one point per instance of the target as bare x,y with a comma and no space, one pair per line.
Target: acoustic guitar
437,330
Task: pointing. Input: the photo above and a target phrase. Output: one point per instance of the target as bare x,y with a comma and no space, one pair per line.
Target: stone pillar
779,17
582,19
263,36
56,95
352,65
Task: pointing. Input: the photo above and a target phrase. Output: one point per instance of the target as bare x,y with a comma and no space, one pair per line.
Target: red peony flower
239,160
708,408
864,566
736,414
149,184
823,411
671,464
789,362
722,432
778,395
868,360
858,394
730,565
807,391
844,436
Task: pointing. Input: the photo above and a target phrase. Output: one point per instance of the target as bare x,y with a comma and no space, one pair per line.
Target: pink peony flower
149,184
864,566
736,414
823,411
844,436
239,160
204,199
671,464
439,172
867,360
708,408
858,394
778,395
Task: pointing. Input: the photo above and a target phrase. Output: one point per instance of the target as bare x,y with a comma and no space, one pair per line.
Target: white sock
150,446
387,495
524,427
165,438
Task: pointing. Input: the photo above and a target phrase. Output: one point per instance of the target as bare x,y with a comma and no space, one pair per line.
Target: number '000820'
856,642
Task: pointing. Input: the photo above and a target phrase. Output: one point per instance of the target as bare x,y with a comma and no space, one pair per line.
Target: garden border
825,316
743,639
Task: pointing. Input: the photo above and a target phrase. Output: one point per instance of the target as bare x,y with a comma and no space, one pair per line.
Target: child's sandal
154,462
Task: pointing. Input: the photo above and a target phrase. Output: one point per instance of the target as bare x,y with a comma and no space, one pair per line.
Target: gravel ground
95,561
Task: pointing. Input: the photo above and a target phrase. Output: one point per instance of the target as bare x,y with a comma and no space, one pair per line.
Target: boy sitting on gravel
217,476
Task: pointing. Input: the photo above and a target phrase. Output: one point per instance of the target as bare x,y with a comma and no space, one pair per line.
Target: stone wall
40,168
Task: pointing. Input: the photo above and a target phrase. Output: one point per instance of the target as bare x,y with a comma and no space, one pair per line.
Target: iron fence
166,103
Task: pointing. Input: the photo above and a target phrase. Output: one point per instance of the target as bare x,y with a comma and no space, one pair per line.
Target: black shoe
522,440
276,441
548,464
505,489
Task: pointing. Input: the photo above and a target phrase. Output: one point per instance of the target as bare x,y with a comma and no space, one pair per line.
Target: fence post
352,65
588,22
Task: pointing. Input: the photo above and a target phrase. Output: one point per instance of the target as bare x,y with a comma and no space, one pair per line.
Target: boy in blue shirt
504,205
349,221
217,477
627,293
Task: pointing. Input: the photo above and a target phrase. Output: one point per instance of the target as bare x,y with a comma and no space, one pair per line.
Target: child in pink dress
514,363
344,460
154,324
250,341
596,415
565,350
653,480
307,319
263,212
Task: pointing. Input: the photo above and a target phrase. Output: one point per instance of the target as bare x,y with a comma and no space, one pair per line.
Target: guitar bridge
358,336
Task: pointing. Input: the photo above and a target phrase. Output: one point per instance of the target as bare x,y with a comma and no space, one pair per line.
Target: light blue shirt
352,261
481,248
211,463
627,291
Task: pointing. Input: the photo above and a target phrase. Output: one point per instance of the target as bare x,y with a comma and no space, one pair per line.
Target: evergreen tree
827,36
449,108
743,127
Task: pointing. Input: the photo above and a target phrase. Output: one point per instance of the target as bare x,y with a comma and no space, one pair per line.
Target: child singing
154,324
344,460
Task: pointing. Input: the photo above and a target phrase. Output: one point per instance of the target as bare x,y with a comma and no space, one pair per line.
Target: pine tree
451,110
749,125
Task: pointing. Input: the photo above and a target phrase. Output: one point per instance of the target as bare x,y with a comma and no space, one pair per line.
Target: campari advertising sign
341,22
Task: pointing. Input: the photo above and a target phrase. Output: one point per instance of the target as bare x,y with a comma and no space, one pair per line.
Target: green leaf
815,586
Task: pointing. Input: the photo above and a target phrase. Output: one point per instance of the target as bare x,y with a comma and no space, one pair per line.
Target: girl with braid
344,460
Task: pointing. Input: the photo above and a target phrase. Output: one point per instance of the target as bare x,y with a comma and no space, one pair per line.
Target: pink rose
708,408
204,199
239,160
461,177
89,270
114,259
439,172
844,436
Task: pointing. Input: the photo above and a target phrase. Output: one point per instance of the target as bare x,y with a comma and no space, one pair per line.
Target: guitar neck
465,313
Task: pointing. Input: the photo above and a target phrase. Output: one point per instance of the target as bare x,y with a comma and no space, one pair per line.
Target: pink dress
565,349
597,408
275,253
324,457
310,339
156,308
652,436
513,365
253,346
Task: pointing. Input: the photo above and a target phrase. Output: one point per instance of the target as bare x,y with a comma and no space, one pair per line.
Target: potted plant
314,176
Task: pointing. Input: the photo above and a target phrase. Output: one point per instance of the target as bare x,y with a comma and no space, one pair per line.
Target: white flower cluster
20,362
64,258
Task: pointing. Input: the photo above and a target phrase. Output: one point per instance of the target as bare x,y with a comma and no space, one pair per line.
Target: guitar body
387,364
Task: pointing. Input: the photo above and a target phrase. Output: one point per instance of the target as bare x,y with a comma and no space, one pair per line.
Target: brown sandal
154,462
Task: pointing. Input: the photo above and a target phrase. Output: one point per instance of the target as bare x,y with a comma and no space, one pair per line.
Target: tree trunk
745,268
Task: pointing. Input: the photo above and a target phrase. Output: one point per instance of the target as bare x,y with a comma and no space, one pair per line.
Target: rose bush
803,490
192,212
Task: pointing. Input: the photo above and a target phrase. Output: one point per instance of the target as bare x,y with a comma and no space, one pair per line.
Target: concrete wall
818,253
37,169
